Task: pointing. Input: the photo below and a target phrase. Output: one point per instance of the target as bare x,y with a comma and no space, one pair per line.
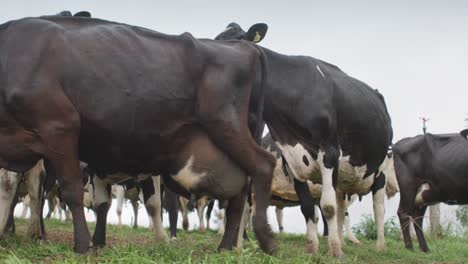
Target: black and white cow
331,128
430,169
283,192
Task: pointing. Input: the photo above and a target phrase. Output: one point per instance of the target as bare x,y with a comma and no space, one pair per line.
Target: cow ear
82,14
65,13
256,32
464,133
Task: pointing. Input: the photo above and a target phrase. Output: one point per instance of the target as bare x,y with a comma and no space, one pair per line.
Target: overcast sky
414,52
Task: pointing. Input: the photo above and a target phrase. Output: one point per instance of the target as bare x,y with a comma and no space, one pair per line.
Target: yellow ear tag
257,37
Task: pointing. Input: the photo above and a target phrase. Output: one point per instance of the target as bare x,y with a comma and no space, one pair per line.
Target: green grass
127,245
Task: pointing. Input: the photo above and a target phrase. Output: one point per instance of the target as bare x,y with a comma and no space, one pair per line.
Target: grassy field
127,245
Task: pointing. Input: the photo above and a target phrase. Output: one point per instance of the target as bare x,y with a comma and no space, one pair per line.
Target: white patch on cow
419,201
100,194
388,168
318,68
8,184
351,178
294,155
188,178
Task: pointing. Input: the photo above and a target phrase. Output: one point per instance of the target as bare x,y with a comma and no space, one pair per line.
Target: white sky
415,53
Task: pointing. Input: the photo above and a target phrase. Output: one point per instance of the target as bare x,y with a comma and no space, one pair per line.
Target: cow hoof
334,249
312,248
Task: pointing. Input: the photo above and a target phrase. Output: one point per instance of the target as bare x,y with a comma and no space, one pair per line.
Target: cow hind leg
328,163
378,195
228,129
418,226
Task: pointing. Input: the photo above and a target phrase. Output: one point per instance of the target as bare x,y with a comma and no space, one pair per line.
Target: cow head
255,33
78,14
464,133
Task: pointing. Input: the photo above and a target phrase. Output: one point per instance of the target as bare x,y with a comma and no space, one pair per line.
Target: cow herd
94,103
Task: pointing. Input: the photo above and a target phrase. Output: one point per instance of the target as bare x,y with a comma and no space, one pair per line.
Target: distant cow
127,99
332,129
430,169
31,182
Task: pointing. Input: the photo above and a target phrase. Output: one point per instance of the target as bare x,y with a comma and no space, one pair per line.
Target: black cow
124,98
430,169
326,123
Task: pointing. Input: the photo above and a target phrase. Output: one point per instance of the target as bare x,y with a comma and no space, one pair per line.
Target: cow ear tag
257,37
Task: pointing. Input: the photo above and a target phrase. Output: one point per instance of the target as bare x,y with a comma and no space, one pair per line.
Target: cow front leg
378,196
328,164
172,207
201,203
102,200
152,196
234,213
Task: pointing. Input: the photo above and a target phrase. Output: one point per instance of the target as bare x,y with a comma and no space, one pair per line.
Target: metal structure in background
434,210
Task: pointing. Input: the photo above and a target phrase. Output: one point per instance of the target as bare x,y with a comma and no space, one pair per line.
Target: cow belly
204,169
351,178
